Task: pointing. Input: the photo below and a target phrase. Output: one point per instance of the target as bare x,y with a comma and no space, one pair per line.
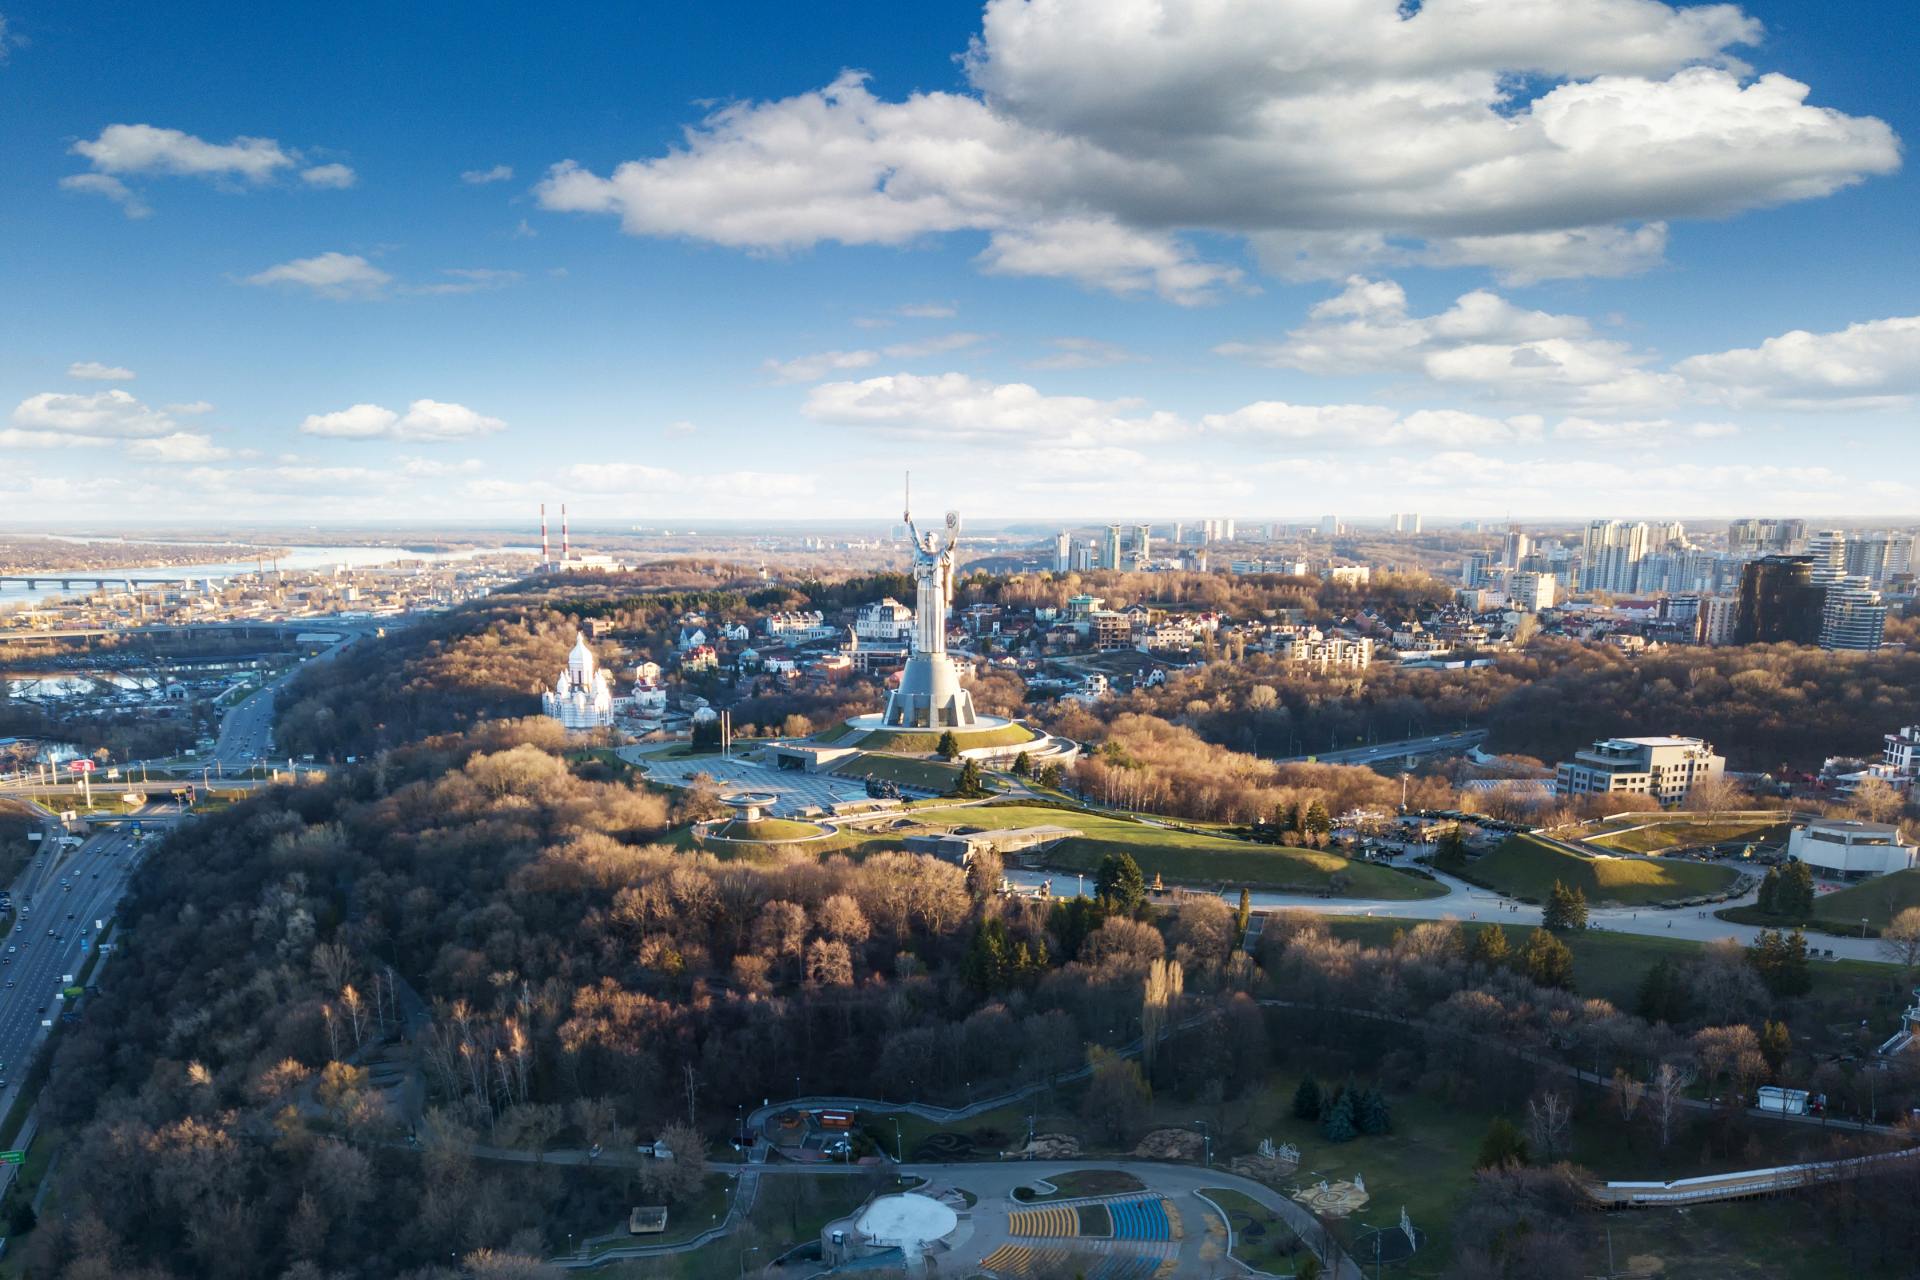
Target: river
298,557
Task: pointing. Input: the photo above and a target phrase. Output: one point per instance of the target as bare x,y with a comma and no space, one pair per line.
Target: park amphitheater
1135,1237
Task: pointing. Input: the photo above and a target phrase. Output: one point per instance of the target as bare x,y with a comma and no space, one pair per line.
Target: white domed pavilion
582,698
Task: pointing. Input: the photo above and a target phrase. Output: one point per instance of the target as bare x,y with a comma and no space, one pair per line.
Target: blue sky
1267,259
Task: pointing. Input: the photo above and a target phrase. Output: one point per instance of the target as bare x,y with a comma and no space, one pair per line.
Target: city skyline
1649,263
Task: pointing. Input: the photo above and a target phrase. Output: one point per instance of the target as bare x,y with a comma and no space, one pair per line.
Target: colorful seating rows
1142,1219
1019,1260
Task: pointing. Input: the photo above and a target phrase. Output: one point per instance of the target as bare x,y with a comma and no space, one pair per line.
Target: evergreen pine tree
1769,901
1337,1125
1372,1114
1566,909
1663,996
1051,777
948,747
1794,899
1244,916
1315,821
1306,1100
1022,766
969,785
1502,1146
1119,883
1546,960
1489,947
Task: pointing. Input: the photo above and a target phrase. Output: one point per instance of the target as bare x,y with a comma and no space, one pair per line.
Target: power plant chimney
546,557
565,546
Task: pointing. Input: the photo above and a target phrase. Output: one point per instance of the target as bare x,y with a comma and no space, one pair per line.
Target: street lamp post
897,1157
1207,1134
743,1257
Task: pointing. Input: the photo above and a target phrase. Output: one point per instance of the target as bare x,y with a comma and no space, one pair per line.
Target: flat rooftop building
1844,849
1665,768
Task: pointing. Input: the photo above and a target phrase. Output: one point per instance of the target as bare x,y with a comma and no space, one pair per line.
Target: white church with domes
582,698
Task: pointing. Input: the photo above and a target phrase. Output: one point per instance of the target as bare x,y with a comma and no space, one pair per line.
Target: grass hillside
894,740
933,775
1668,833
1879,900
1527,867
1185,857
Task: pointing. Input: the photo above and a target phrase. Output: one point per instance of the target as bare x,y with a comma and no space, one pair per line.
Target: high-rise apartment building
1514,548
1719,619
1530,592
1404,522
1473,570
1142,549
1827,549
1779,602
1329,526
1879,557
1853,616
1611,555
1749,537
1062,551
1111,558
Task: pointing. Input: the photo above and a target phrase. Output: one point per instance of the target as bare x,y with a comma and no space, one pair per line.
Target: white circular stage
908,1222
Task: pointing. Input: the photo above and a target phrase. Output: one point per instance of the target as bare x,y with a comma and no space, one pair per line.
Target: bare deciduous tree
1665,1092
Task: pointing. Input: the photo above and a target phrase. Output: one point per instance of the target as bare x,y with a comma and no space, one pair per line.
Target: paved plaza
797,791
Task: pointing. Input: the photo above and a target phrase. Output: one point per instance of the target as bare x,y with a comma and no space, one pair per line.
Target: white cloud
1540,138
191,408
436,468
639,480
100,184
144,149
1100,253
112,422
180,446
1874,364
337,177
1589,429
932,346
469,280
331,275
1372,425
925,311
480,177
104,414
1083,353
1482,341
424,420
812,368
94,371
953,406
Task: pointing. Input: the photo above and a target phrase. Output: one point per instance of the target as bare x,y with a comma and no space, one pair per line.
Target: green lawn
1188,857
1665,833
1082,1182
1261,1238
1879,900
1610,965
768,829
895,740
933,775
1526,867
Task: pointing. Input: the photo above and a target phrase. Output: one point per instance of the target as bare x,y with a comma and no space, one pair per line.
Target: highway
1406,748
63,892
35,963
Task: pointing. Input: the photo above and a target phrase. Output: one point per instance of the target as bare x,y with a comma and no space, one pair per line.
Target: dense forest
1761,705
554,975
504,923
